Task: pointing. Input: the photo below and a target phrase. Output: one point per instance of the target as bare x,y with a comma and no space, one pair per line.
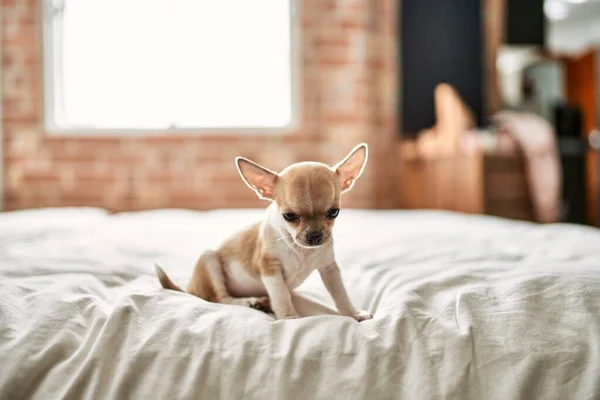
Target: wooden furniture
476,183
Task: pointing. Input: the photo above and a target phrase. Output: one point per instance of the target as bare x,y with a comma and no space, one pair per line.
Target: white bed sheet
465,307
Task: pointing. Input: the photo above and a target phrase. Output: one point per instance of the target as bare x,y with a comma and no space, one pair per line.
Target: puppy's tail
164,280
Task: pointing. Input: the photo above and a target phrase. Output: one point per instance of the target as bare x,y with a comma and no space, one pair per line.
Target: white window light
168,64
556,10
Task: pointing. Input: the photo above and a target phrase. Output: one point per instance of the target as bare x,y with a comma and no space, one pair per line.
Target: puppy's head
307,193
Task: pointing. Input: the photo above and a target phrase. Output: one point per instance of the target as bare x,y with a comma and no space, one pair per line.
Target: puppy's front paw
261,304
290,315
362,315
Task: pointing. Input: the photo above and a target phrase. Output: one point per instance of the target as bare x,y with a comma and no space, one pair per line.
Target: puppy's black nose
314,237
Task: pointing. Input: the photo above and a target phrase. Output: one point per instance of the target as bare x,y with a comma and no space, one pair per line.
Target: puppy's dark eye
291,217
333,213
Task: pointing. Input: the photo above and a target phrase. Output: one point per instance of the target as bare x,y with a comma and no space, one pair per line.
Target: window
168,64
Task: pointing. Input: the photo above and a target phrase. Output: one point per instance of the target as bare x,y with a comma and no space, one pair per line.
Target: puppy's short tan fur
260,265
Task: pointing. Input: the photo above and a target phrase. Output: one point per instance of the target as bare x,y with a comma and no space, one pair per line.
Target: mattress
465,307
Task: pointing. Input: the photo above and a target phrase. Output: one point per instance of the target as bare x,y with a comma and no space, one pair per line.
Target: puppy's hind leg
213,265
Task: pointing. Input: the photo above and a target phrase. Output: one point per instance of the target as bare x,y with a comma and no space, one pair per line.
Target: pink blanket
536,139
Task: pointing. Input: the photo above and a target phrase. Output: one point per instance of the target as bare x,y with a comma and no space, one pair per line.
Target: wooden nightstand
475,183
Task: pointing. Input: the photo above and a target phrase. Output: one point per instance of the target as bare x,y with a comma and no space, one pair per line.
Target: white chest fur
298,263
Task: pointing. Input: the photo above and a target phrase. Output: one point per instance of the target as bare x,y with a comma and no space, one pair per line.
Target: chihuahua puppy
260,265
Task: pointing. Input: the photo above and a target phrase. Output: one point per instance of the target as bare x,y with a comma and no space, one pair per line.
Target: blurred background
478,106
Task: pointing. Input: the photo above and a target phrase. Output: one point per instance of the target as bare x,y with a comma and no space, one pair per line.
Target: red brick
335,60
188,199
20,34
42,175
347,118
338,40
15,56
354,23
94,176
20,110
82,201
16,203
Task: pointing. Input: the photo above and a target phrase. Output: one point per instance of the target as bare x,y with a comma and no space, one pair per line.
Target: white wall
574,35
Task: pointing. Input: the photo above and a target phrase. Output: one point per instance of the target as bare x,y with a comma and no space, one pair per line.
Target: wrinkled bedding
465,307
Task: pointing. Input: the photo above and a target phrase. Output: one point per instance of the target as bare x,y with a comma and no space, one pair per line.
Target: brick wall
348,94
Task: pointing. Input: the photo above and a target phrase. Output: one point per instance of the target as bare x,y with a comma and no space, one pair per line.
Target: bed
465,307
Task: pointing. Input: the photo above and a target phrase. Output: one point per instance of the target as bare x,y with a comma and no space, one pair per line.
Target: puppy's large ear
258,178
350,168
